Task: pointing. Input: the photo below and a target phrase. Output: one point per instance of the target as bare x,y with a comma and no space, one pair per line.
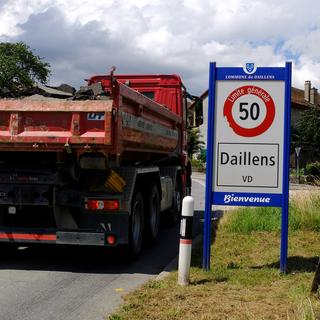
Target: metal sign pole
209,170
286,162
297,151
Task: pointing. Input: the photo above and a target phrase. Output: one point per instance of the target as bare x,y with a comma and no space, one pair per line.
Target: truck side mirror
198,110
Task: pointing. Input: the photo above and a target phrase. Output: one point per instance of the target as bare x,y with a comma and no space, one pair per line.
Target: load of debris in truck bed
64,91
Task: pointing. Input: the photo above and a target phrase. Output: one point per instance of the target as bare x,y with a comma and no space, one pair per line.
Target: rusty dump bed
127,121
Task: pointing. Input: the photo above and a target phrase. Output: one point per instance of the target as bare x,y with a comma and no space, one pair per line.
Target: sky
82,38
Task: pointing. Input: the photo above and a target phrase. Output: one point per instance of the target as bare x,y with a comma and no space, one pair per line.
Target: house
301,100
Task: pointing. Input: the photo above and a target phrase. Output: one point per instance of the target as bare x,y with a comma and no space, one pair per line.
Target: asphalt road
44,282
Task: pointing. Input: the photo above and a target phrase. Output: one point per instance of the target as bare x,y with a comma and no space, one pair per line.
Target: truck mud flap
81,238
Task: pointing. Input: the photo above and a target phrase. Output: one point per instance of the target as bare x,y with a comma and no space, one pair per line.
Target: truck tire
136,227
7,249
152,220
175,211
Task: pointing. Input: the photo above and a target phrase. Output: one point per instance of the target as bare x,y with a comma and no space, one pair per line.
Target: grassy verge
244,281
304,214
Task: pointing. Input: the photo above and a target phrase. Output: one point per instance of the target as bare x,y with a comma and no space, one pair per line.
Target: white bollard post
185,241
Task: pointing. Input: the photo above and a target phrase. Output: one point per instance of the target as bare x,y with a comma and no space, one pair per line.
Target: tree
20,68
308,130
194,141
309,126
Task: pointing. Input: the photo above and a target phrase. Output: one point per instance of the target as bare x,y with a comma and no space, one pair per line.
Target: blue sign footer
247,199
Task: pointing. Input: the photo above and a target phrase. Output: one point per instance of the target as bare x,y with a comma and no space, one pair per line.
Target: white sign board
248,154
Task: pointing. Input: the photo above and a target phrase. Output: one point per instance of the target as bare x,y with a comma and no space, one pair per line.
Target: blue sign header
259,74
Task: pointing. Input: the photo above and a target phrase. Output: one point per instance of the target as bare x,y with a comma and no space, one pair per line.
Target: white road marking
202,183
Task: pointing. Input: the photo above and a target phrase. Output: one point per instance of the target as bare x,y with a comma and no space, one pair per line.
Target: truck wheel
8,249
136,225
175,211
153,214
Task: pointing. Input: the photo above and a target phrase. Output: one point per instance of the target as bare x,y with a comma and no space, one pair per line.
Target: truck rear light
12,210
111,239
95,204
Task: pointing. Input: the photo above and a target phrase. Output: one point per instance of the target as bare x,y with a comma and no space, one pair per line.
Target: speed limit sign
249,110
248,141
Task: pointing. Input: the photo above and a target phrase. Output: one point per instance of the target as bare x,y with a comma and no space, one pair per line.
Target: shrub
198,165
202,156
313,169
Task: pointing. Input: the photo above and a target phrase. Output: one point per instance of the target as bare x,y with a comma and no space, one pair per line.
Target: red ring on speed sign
264,125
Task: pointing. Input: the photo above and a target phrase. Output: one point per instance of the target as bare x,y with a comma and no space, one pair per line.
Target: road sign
249,110
297,150
248,142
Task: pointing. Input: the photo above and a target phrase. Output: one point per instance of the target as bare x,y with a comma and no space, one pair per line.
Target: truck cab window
148,94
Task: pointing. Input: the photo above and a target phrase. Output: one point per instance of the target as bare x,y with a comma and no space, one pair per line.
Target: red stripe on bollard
185,241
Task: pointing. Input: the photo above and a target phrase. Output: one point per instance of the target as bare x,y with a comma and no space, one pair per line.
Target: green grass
303,215
244,283
247,220
244,280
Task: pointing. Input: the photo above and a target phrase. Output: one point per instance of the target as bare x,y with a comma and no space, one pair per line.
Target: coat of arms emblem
249,67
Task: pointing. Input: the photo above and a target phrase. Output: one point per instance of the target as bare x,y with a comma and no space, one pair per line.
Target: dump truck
96,171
